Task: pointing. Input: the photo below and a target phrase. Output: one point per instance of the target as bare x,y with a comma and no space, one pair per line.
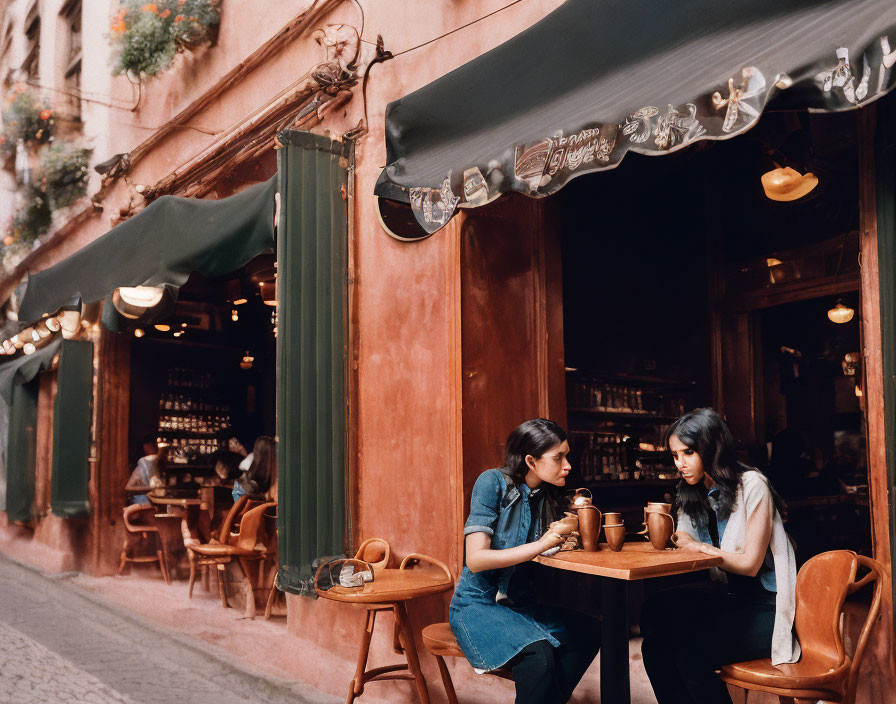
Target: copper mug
660,527
654,507
614,533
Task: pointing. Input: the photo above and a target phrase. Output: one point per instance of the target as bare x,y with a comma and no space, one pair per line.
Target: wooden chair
440,641
402,635
824,671
245,548
140,527
224,535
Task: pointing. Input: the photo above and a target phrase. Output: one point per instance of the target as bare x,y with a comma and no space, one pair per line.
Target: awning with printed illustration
596,79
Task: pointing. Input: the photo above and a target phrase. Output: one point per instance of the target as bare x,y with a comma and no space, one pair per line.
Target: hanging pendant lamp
840,313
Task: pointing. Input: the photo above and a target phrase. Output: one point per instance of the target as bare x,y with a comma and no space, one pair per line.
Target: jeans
689,632
544,674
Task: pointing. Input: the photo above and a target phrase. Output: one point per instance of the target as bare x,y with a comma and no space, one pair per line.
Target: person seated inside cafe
147,472
226,459
260,471
495,613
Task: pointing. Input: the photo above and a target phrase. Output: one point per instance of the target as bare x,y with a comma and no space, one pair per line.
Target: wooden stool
440,641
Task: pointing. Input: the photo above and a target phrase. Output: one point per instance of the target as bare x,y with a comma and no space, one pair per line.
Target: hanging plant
31,220
27,118
148,35
65,173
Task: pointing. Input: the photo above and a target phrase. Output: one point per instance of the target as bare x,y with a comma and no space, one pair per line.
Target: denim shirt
504,511
766,573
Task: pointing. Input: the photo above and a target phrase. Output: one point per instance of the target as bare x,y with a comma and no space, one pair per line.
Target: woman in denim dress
494,613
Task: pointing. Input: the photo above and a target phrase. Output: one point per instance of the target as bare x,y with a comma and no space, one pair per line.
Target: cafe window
70,43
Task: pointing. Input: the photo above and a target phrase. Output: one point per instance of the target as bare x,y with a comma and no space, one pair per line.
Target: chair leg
446,680
124,558
192,573
222,591
786,700
410,648
269,604
356,687
163,566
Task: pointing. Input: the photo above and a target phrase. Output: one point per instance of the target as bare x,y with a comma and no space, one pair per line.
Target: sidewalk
59,641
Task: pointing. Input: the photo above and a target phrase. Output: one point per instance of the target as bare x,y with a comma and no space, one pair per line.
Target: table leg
357,685
614,676
410,650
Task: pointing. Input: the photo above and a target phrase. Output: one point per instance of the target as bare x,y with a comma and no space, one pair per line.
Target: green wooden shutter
21,452
311,260
71,430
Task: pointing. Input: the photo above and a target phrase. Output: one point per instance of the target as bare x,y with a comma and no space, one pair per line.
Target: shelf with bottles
180,378
607,456
183,403
585,395
188,448
194,424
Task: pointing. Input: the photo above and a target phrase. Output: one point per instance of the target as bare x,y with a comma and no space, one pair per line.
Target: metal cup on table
614,531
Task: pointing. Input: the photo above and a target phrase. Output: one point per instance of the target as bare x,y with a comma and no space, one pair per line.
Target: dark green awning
593,81
160,246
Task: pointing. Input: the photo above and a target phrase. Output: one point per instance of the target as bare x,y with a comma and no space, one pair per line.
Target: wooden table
390,591
197,519
634,561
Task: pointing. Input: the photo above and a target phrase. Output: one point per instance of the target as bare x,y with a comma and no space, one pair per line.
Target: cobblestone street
57,645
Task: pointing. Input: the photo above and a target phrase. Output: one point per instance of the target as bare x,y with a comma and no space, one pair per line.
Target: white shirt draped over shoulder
753,492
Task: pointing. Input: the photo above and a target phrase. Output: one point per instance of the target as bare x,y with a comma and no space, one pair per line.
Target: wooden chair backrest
269,526
238,507
138,518
874,573
424,563
376,552
822,586
249,525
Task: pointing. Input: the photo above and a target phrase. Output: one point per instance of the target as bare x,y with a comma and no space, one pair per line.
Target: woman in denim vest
494,614
729,510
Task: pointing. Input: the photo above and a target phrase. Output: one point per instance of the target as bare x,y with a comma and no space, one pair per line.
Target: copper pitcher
654,507
589,519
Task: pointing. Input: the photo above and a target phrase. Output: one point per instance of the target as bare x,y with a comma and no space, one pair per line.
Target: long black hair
263,470
704,431
534,437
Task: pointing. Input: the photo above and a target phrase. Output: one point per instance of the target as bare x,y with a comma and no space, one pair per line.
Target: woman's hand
692,545
709,549
551,538
685,541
